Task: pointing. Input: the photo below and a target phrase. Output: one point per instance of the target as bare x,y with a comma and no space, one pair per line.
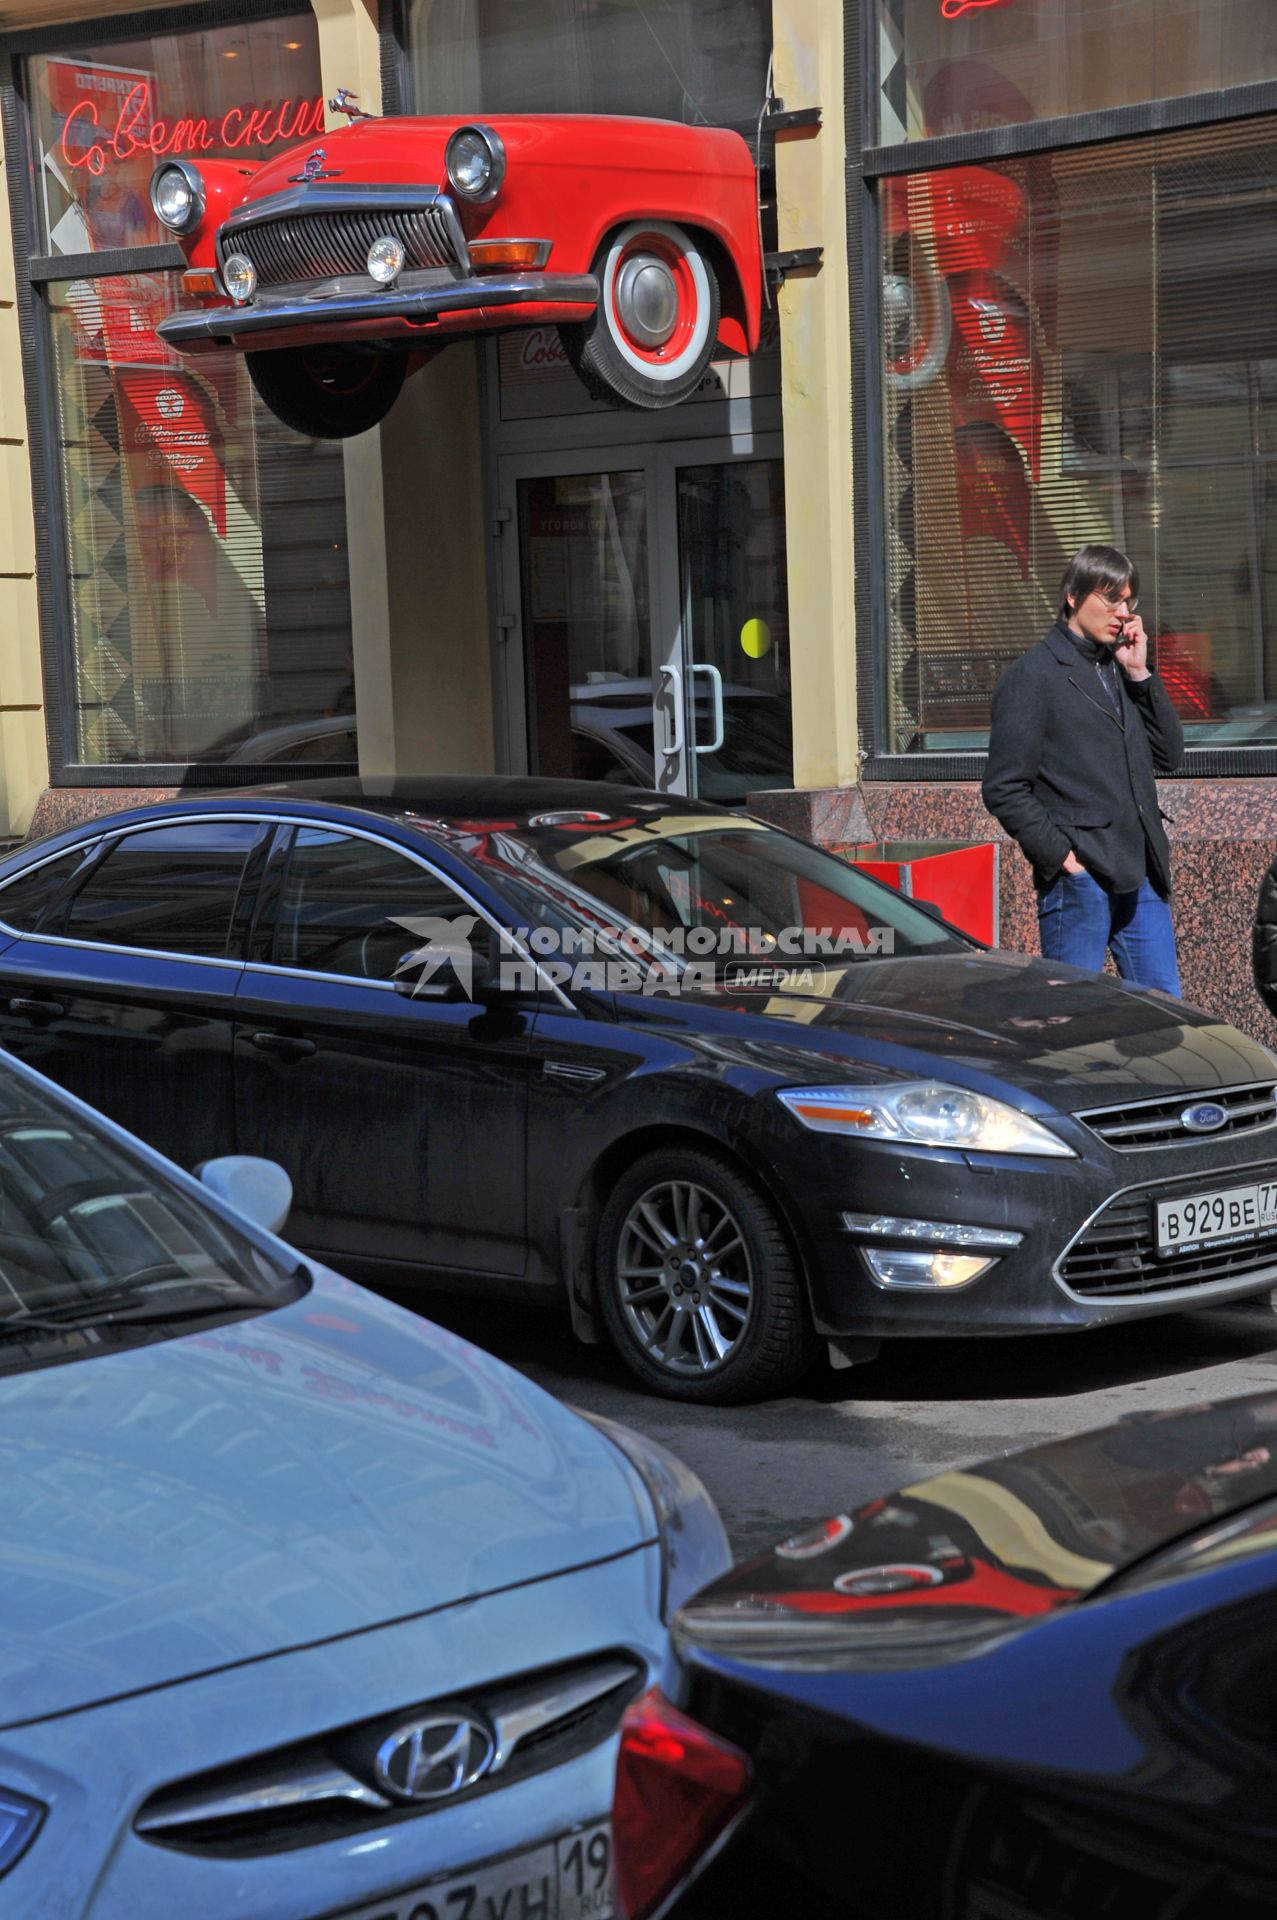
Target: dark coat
1065,773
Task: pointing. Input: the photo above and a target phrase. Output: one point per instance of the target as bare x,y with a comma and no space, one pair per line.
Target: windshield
688,887
95,1241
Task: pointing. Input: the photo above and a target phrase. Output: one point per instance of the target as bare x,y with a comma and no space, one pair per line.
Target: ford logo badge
1205,1117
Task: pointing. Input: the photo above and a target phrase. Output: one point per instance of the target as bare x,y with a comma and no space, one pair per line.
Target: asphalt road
846,1437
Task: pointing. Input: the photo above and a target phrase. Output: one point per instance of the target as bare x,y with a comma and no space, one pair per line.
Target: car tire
755,1307
652,334
327,393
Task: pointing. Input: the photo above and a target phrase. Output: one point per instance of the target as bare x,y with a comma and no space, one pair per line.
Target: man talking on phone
1081,726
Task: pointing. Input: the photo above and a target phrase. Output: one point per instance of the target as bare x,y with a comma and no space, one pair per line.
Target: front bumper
419,305
1063,1210
95,1769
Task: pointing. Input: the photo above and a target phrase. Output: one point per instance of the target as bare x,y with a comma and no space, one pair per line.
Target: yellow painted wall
816,376
24,759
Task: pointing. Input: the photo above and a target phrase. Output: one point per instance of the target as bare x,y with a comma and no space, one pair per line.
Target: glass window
960,66
81,1218
103,116
209,584
25,901
353,906
1079,346
699,61
210,597
583,542
168,888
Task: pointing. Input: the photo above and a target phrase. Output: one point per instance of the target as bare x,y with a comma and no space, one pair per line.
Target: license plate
1205,1219
566,1879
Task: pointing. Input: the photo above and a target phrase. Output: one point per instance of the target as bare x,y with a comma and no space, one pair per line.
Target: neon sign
84,143
954,9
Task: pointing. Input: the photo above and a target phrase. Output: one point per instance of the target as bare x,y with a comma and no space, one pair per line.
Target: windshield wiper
114,1305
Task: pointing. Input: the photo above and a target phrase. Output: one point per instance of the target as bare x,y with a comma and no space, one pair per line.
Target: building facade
1022,301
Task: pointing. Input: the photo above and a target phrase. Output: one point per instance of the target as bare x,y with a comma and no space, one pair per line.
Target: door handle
674,680
716,694
32,1009
290,1046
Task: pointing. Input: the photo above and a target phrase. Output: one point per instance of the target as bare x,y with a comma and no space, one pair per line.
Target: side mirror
259,1189
470,979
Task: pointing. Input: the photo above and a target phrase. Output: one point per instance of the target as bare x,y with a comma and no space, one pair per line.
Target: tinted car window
354,906
24,902
170,888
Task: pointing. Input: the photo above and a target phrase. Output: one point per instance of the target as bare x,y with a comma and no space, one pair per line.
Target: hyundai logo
1205,1117
431,1759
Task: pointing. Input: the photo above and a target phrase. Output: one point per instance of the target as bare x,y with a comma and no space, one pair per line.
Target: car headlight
177,194
923,1113
694,1547
475,160
19,1823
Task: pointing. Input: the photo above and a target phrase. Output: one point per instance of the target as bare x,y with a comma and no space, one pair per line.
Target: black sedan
1041,1688
716,1090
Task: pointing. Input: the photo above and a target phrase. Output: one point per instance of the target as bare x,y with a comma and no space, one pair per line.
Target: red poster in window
169,433
995,373
994,502
979,219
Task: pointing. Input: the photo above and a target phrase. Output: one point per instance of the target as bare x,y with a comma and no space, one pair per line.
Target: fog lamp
385,259
240,276
925,1267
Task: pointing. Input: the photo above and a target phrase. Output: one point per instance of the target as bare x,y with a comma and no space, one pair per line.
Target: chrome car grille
1159,1123
328,1788
321,246
1115,1256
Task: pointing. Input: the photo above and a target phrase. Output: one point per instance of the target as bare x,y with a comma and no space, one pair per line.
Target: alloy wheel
684,1277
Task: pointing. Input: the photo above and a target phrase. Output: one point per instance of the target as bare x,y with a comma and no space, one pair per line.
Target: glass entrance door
644,622
734,627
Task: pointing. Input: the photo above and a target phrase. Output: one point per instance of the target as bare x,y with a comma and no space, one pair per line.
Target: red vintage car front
337,269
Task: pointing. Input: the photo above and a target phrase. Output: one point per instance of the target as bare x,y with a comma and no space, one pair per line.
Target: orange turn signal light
845,1116
485,255
202,280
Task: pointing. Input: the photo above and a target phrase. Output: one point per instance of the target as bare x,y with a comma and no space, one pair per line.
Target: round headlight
385,259
177,194
239,277
475,159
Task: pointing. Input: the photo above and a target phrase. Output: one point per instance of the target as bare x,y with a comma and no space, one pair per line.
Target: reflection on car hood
183,1506
1074,1039
932,1571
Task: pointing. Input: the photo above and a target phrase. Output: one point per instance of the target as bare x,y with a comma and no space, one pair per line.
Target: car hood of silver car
274,1482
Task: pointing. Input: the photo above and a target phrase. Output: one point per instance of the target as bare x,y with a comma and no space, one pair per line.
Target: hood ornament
341,104
314,169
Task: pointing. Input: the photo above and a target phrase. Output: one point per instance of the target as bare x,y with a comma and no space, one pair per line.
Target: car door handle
32,1009
291,1046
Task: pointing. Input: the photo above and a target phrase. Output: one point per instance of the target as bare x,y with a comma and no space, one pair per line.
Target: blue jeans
1079,919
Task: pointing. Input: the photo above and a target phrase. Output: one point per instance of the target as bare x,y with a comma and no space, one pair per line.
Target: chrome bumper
308,305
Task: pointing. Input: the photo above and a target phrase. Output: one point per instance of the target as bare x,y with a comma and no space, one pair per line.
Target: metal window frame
867,165
35,272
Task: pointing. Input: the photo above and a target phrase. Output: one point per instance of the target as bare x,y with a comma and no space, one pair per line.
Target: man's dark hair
1095,569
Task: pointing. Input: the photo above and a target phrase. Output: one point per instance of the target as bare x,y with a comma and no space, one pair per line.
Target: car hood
963,1558
1071,1038
274,1482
